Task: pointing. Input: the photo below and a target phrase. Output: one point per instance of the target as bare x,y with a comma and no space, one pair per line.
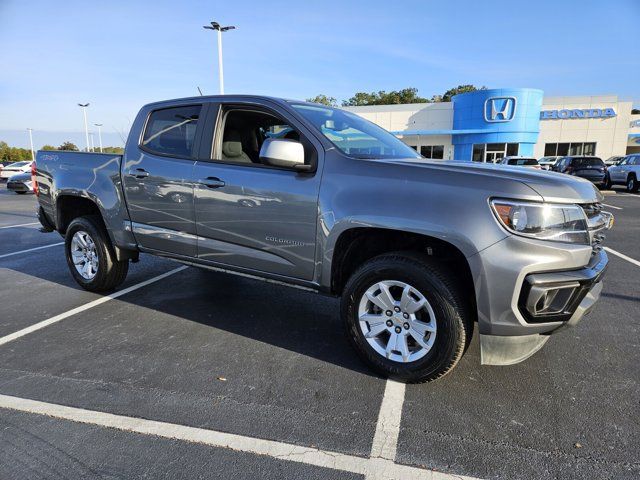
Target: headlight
544,221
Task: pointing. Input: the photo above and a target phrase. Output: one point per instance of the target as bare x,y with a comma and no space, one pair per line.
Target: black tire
110,272
21,193
607,183
436,284
632,184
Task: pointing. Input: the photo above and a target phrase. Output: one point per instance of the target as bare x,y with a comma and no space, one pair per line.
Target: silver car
626,172
20,183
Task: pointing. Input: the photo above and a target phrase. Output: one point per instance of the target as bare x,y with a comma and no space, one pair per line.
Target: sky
119,55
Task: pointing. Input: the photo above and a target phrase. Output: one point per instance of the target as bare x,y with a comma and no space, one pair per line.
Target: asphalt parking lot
195,374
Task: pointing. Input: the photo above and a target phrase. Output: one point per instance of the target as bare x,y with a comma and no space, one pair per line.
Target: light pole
86,128
93,147
99,125
33,155
216,26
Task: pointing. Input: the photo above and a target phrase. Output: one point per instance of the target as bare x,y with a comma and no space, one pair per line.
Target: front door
249,214
157,180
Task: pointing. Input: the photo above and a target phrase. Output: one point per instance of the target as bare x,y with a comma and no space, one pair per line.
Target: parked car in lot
13,168
547,163
609,162
626,172
20,183
520,162
590,168
418,250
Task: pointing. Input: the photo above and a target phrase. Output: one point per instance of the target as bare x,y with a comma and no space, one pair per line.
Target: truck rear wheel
406,318
90,256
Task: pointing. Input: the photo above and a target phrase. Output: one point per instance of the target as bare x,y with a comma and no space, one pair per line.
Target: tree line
394,97
17,154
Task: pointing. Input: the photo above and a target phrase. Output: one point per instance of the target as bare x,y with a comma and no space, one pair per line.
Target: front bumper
586,286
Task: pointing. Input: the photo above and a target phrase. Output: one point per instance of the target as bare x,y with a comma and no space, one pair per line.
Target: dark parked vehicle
321,199
590,168
20,183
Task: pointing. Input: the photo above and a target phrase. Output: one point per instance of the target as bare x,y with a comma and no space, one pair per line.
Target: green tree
394,97
4,151
68,146
116,150
324,100
48,147
635,111
446,96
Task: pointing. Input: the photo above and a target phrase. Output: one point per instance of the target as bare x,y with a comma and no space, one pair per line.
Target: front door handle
138,173
211,182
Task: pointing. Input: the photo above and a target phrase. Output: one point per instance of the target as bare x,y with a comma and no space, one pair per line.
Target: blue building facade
492,123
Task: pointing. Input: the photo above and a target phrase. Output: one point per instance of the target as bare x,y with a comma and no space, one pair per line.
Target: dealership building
488,124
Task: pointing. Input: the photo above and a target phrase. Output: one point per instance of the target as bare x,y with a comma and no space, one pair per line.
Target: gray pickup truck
318,198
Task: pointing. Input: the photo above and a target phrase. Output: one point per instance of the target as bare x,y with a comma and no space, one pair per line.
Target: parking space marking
30,250
21,225
377,468
385,440
612,206
87,306
623,256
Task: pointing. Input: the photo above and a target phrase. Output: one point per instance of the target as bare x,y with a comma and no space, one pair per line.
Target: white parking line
87,306
21,225
371,467
623,256
30,250
385,440
612,206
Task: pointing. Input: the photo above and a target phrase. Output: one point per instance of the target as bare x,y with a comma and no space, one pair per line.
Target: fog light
550,300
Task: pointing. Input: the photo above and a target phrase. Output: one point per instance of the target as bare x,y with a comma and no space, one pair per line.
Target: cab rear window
587,162
171,131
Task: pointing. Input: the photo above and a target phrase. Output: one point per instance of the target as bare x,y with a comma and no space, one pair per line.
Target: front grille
598,222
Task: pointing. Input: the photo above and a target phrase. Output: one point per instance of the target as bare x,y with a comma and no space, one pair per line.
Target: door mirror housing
280,152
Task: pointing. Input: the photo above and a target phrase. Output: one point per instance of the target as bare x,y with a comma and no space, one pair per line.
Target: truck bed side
72,181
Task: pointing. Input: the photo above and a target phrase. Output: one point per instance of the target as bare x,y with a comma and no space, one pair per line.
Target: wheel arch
355,246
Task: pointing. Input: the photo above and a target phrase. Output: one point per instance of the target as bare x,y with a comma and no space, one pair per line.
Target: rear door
157,176
248,214
617,173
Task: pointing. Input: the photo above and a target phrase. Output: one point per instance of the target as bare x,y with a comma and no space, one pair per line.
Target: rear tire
90,256
444,321
632,184
607,183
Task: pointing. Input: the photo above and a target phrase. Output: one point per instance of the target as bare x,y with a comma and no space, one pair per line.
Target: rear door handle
211,182
138,173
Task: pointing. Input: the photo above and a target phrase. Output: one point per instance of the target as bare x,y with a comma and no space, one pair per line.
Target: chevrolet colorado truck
319,198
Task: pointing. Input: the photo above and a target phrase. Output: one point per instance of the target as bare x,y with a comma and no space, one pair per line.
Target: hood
551,186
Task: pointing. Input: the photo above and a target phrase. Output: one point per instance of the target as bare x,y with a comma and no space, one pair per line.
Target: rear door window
587,162
172,131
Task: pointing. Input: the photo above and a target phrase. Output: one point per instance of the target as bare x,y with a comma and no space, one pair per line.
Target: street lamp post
86,128
99,125
33,154
216,26
93,145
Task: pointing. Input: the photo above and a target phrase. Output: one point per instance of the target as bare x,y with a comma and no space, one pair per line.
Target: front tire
90,256
406,317
632,184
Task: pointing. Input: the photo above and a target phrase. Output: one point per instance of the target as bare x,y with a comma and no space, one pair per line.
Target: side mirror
280,152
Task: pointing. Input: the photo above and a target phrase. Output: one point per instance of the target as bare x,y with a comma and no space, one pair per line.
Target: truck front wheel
406,317
90,256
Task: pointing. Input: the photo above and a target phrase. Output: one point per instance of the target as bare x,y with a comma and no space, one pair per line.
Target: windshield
353,135
523,161
587,162
548,159
18,164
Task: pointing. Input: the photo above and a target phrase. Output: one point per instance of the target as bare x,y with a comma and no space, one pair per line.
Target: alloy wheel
84,255
397,321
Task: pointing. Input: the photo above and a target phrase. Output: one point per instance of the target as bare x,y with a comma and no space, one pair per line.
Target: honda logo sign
499,109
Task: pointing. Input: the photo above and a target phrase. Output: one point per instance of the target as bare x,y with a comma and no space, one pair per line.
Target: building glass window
512,149
478,153
432,151
574,148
